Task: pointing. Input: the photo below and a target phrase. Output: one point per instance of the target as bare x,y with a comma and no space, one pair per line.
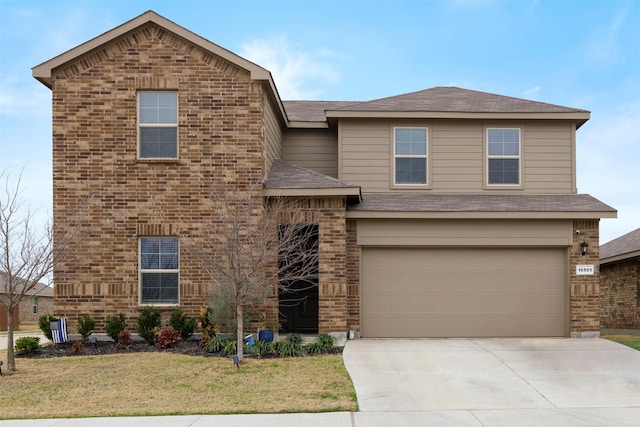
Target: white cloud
531,93
297,75
608,151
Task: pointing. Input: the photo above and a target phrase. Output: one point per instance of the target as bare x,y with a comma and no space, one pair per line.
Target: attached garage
414,284
457,292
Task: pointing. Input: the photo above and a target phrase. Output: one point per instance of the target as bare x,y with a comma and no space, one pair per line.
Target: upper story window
503,156
159,270
158,125
410,155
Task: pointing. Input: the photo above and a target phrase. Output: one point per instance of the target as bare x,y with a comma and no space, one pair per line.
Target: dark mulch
108,347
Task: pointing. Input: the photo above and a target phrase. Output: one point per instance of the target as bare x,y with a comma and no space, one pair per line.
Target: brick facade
584,291
353,276
620,294
220,140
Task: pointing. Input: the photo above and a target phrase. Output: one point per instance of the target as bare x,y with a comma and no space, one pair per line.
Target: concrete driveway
494,382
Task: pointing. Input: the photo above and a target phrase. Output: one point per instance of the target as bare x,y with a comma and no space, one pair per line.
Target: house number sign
585,270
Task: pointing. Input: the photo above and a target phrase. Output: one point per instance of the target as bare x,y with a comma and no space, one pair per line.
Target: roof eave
620,257
478,214
579,116
313,192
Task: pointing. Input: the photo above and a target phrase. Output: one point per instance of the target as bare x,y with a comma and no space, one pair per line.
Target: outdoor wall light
584,247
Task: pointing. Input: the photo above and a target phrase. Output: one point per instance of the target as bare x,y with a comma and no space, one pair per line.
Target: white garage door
417,292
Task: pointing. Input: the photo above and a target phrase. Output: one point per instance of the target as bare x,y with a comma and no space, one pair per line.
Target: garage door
463,292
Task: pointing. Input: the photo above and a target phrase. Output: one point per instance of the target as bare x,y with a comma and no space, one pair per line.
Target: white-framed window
159,270
503,156
410,148
158,125
34,305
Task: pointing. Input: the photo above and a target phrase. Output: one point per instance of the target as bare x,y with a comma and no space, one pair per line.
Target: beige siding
315,149
457,156
381,232
272,133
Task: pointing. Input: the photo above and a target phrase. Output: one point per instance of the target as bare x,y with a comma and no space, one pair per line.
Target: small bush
230,348
115,325
216,344
168,338
291,346
182,323
149,322
207,324
27,345
124,337
325,344
77,347
44,322
86,325
264,348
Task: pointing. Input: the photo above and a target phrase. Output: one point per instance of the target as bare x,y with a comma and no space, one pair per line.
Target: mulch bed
107,347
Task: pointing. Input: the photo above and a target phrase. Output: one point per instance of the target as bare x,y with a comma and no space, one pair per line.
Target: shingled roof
287,179
436,102
624,247
39,289
501,206
311,111
454,99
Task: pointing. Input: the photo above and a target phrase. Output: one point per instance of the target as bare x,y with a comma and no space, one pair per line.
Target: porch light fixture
584,247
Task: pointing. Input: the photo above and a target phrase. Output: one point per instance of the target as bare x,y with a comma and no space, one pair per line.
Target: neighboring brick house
620,282
443,212
36,302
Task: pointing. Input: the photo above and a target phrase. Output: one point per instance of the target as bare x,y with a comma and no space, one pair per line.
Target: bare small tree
255,248
27,253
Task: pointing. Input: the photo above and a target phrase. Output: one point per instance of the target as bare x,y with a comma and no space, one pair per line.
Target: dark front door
299,308
298,300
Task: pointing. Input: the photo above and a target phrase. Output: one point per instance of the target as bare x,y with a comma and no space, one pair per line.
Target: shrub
230,347
291,346
325,344
182,323
86,325
44,322
77,347
216,344
149,322
207,324
115,325
264,348
124,337
168,338
28,345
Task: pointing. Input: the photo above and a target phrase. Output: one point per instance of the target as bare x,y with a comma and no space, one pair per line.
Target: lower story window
34,305
159,270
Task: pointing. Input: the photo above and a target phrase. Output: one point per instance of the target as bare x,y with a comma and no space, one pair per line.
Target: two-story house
440,213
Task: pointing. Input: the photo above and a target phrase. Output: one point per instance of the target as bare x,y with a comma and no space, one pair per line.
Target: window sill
158,160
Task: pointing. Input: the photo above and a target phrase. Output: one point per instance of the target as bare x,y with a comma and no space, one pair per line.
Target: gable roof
311,111
286,179
414,205
624,247
454,102
42,72
38,290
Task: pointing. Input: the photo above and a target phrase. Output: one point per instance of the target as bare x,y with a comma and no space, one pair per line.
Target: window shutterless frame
503,157
159,270
157,125
410,156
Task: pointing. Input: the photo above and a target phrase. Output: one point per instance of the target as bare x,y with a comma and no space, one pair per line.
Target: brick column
585,289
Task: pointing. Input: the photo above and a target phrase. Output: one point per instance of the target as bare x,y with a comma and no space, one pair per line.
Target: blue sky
583,54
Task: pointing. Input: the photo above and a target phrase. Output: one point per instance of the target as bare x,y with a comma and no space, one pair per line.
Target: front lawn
632,341
165,383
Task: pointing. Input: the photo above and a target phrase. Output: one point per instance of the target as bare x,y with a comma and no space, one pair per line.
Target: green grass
632,341
165,383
